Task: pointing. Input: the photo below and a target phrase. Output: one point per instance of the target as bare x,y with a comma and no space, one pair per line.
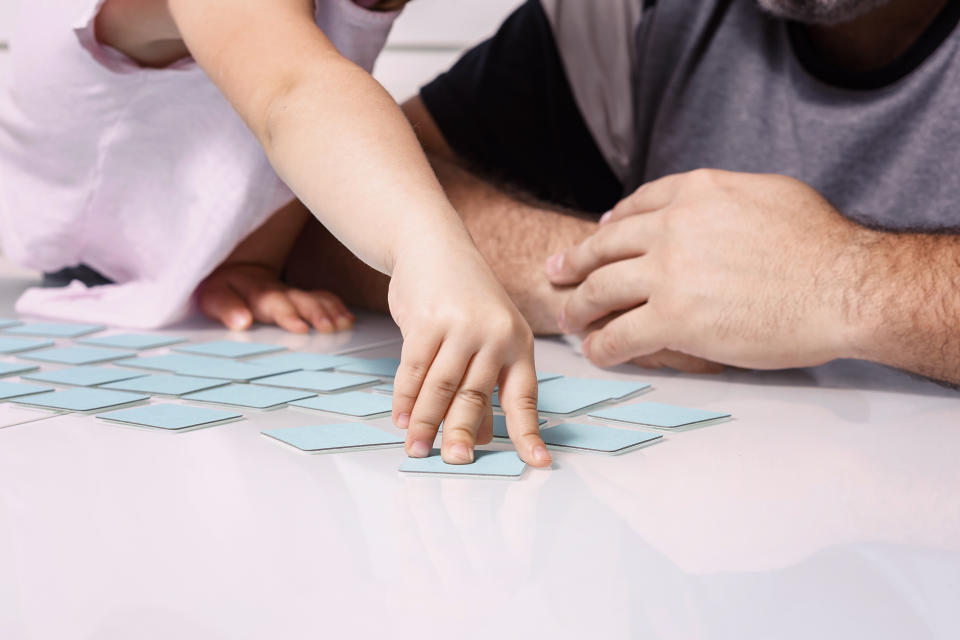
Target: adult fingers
518,399
436,393
218,301
649,197
609,243
614,287
468,409
634,334
416,357
679,361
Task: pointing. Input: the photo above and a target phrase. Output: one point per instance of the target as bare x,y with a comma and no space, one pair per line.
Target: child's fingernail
403,420
324,325
606,217
237,320
459,452
540,454
419,449
555,264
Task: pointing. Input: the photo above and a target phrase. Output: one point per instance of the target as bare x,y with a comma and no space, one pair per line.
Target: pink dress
147,176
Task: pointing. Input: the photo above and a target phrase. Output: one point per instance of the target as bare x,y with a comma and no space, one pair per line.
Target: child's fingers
342,317
275,306
467,410
218,301
436,392
417,355
313,308
485,432
518,399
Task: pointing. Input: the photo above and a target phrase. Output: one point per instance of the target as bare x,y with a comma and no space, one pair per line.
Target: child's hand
462,336
237,294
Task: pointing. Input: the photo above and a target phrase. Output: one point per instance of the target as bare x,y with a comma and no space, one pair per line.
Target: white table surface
829,508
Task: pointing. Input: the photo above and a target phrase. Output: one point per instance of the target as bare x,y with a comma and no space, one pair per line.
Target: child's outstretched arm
341,143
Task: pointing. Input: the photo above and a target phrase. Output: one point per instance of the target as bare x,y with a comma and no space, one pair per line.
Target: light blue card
504,464
305,361
351,403
166,384
17,389
591,437
169,362
229,349
54,329
249,395
384,388
597,387
329,438
562,401
81,399
8,322
317,381
656,414
232,370
74,355
13,369
83,376
172,417
386,367
500,426
133,341
542,376
17,345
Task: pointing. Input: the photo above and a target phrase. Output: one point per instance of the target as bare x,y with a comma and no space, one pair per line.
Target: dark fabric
507,108
83,273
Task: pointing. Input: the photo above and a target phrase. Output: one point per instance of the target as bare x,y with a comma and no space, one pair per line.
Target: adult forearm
906,303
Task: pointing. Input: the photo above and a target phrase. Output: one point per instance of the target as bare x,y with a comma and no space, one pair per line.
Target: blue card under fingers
53,329
133,341
304,361
13,369
502,464
386,367
8,322
351,403
18,345
229,349
332,438
384,388
500,426
74,355
596,438
317,381
249,395
561,401
598,387
656,414
171,417
81,400
17,389
83,376
166,384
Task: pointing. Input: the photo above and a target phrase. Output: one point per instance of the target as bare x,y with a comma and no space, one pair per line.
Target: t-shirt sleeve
506,107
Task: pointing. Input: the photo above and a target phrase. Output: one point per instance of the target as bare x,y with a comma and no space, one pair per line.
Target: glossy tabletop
829,507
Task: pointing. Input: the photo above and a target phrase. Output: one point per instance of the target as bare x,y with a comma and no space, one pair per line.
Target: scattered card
503,464
249,395
231,370
317,381
352,403
53,329
81,400
166,384
83,376
74,355
17,345
172,417
656,414
384,388
562,402
596,438
133,341
17,389
500,427
333,438
386,367
304,361
229,349
8,322
13,369
169,362
602,388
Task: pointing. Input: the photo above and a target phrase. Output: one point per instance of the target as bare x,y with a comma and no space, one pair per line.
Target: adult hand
239,293
744,269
